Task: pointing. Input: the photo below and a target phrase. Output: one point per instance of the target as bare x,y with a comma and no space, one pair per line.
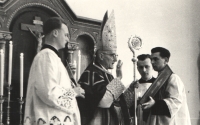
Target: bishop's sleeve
47,84
129,96
113,90
116,88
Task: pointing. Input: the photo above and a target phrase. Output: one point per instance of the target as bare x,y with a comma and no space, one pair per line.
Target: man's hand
148,104
79,92
119,69
134,84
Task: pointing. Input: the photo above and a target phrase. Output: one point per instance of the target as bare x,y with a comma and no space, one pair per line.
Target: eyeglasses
113,55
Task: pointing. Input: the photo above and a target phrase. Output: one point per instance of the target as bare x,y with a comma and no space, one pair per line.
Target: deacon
169,105
51,98
145,69
104,103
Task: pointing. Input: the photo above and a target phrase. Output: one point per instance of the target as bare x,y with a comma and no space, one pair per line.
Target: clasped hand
134,84
79,92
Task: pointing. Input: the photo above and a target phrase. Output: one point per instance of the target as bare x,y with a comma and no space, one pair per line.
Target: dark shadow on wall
198,64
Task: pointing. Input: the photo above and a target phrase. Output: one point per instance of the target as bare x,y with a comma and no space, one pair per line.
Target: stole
157,84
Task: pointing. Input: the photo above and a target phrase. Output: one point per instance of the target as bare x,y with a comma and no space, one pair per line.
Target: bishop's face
108,59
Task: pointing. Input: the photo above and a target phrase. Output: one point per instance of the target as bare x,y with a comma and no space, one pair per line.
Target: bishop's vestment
104,103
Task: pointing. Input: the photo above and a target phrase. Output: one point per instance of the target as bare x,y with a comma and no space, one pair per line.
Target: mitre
108,34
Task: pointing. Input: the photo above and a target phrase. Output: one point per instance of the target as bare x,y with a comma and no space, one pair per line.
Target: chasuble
104,103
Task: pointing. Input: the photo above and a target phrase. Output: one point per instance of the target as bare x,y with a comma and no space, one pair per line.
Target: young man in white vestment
169,105
51,95
145,69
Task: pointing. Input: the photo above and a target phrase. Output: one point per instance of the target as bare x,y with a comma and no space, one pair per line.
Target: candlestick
1,110
8,107
2,71
10,63
21,101
79,64
21,73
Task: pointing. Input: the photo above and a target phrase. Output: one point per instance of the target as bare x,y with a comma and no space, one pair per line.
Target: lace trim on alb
66,99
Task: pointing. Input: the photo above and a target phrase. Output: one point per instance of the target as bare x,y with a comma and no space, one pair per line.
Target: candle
10,63
2,71
79,64
21,73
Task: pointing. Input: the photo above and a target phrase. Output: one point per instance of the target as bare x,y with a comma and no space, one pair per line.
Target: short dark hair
163,52
142,57
52,24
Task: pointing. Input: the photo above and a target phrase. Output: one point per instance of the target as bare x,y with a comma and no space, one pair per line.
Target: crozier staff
134,43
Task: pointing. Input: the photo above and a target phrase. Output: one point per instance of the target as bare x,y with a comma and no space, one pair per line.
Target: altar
21,22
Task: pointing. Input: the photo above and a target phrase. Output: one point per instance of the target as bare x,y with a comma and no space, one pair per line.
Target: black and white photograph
99,62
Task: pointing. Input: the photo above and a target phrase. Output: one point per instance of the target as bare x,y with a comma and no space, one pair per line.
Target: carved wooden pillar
71,47
4,36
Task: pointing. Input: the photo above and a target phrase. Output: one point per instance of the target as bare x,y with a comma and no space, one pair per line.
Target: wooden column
71,47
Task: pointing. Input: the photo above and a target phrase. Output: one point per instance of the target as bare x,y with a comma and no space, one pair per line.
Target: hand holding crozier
119,69
134,84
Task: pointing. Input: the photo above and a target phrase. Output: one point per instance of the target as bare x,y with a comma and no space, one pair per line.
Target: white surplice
176,101
139,93
50,97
